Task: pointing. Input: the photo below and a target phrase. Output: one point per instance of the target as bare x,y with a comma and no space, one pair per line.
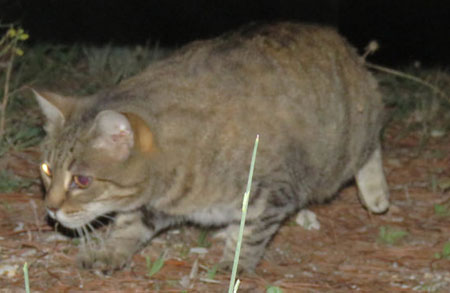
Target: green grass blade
25,276
236,286
244,214
156,266
211,274
274,289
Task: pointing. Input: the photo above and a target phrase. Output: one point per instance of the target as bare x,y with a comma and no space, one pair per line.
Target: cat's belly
215,215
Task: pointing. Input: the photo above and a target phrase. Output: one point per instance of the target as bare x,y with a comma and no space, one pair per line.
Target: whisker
104,221
98,222
97,235
78,232
87,228
88,238
108,217
56,226
81,237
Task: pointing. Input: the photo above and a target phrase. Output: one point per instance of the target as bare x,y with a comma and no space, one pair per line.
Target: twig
370,49
40,229
36,218
6,94
23,87
407,76
373,46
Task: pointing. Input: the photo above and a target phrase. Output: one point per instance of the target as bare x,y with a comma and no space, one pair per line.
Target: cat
173,143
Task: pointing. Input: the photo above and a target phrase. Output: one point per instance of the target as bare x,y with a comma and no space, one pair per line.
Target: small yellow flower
24,37
19,51
11,33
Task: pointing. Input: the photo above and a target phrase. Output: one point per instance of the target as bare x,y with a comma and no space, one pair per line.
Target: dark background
407,30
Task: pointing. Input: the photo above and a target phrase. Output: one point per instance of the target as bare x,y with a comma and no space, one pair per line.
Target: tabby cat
173,144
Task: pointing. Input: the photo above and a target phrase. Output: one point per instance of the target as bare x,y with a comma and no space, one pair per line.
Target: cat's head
94,161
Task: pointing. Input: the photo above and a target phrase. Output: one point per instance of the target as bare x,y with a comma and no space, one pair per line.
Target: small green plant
211,274
6,206
274,289
156,266
9,49
9,182
202,239
111,64
184,251
445,254
442,210
390,235
419,99
20,136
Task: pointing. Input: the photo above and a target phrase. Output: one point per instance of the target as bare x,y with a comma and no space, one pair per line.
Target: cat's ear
143,136
56,108
113,134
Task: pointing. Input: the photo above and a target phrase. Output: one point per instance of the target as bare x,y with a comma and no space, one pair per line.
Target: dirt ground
347,253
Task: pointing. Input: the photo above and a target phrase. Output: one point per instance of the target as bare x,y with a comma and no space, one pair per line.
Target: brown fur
192,119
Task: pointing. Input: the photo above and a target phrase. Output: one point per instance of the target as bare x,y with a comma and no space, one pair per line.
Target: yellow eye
46,169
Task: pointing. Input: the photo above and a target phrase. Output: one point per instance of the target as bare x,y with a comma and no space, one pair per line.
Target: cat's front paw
104,260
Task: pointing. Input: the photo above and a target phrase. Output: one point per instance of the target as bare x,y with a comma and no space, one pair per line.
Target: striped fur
173,144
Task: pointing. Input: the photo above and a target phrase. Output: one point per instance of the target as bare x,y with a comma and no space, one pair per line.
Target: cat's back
256,61
290,69
280,72
301,87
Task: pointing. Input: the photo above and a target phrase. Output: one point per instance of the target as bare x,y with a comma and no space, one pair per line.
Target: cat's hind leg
254,242
265,215
373,189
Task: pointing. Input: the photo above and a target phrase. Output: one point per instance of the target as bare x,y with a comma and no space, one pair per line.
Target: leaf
441,210
19,52
24,37
156,266
11,33
390,235
274,289
211,274
446,250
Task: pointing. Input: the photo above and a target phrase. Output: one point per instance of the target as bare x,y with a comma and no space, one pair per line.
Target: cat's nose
52,206
52,209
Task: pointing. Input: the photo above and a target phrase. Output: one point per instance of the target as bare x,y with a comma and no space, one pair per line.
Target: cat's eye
46,169
82,181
